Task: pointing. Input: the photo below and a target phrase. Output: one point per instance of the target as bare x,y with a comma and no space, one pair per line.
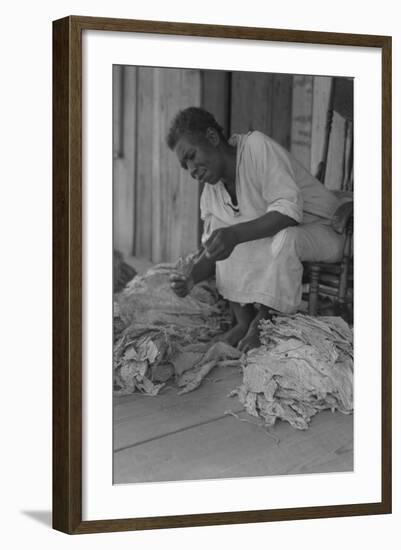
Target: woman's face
201,156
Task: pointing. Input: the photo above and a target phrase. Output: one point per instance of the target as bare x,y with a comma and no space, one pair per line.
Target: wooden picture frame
67,273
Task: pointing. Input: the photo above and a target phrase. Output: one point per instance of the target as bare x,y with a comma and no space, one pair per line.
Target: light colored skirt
269,271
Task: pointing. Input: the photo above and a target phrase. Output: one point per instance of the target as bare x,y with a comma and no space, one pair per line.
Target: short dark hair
193,120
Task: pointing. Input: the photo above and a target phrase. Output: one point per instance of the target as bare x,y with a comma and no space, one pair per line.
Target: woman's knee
285,240
319,243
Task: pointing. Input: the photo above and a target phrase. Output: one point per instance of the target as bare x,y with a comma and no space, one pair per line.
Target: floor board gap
173,432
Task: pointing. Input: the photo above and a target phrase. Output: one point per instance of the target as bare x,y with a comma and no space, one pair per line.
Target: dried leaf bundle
305,365
157,334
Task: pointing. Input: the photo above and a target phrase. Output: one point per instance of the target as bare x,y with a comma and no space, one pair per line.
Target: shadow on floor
41,516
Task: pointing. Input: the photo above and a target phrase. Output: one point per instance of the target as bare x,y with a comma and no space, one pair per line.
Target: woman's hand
181,285
122,272
342,216
221,243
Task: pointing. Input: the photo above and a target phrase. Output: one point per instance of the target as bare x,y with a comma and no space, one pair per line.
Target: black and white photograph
199,205
232,274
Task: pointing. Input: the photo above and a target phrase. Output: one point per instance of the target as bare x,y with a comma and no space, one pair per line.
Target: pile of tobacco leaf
159,336
304,365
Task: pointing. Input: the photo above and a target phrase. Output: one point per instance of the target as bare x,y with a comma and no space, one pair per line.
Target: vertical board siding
144,182
118,111
181,200
251,102
282,109
124,149
301,131
336,154
158,212
321,100
167,199
216,96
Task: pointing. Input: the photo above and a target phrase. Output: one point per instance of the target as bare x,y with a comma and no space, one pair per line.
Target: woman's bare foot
234,335
251,339
243,315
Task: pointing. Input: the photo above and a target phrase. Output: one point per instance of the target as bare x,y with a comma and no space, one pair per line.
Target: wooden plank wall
144,162
282,109
124,152
216,96
251,102
301,129
262,101
320,107
155,201
293,110
335,160
167,198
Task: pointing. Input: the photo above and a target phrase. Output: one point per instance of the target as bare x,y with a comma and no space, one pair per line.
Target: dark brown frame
67,280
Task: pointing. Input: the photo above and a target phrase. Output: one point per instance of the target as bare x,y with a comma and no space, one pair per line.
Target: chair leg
343,283
313,289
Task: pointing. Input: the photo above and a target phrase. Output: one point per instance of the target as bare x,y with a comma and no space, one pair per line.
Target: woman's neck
230,171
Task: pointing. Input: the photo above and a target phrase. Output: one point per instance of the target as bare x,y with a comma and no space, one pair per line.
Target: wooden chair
334,281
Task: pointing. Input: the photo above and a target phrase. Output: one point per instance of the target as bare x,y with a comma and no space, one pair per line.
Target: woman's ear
213,136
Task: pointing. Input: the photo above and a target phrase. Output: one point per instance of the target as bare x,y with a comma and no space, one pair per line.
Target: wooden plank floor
171,437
